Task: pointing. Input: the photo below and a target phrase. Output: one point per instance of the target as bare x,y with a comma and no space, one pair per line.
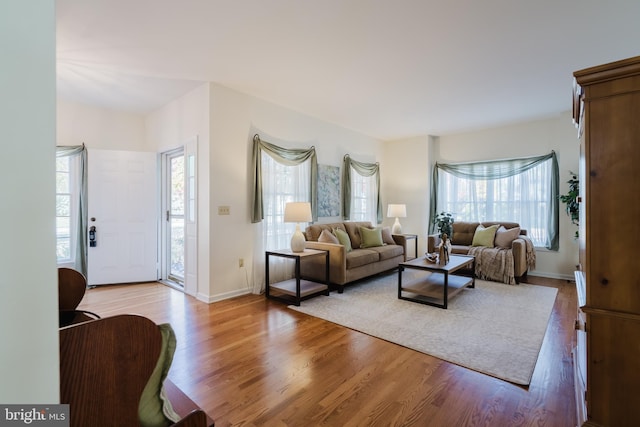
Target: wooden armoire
607,355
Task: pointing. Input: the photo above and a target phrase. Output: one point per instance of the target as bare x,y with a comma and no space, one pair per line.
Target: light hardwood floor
254,362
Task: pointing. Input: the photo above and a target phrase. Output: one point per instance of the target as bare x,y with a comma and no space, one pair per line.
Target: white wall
170,127
522,140
29,359
100,128
406,178
235,118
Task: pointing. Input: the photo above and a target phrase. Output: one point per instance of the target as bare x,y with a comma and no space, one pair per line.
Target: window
66,213
522,190
281,184
361,191
281,175
363,198
174,226
71,207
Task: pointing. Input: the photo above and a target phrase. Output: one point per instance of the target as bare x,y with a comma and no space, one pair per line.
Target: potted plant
571,200
444,223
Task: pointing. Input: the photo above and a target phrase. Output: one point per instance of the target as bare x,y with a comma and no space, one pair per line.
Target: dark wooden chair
105,365
71,288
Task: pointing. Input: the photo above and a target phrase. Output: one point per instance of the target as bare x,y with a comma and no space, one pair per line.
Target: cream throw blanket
497,263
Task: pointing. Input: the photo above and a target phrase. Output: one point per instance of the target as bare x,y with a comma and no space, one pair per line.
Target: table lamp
397,211
297,212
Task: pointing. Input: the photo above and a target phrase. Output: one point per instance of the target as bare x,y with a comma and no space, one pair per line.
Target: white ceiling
390,69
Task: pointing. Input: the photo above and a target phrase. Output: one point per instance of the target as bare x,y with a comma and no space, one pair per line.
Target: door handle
92,236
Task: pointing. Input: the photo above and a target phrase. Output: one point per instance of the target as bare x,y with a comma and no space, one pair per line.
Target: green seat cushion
484,236
371,237
154,409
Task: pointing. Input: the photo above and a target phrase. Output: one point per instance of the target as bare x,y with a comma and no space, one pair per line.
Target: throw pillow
484,236
343,238
505,238
387,238
371,237
327,237
154,408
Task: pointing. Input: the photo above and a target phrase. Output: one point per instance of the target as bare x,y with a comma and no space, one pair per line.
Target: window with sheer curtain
281,184
520,190
71,207
364,197
281,175
361,191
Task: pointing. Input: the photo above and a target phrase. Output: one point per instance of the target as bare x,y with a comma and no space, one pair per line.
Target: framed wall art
328,191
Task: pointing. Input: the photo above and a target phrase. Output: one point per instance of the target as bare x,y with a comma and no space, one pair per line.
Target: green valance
493,169
286,156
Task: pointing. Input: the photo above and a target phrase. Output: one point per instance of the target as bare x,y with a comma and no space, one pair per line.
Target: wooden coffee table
438,284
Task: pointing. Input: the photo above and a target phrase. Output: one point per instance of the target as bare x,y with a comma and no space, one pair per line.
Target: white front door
122,194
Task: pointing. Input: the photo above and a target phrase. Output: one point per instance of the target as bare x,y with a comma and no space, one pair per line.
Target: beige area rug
496,329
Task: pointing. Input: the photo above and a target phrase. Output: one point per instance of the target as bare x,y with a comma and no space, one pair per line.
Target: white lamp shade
396,211
297,212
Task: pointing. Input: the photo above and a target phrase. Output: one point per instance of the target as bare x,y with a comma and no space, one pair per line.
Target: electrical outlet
241,262
224,210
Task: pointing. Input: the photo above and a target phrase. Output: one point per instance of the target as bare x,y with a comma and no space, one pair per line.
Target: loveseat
506,256
360,253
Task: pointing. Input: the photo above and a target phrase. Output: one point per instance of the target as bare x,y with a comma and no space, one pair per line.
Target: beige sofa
348,266
521,252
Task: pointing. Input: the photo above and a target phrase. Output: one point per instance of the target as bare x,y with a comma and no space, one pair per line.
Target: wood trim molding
611,313
602,73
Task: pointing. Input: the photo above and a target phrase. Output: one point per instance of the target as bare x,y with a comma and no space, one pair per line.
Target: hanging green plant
571,200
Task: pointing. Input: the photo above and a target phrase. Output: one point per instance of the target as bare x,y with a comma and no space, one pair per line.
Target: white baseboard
220,297
568,277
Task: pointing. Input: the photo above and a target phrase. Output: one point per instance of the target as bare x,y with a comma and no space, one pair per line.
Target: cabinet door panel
612,373
613,169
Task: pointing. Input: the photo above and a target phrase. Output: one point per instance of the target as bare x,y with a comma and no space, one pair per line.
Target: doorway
173,226
122,210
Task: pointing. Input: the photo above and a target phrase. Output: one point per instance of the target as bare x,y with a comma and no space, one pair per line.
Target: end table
297,289
415,241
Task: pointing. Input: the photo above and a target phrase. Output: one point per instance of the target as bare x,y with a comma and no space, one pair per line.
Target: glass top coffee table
436,283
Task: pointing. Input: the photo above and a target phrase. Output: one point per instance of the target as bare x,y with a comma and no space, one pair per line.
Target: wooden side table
415,241
297,289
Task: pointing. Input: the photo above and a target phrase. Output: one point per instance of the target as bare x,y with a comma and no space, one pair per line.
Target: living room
224,121
225,167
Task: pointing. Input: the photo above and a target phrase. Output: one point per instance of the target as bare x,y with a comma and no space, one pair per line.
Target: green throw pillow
371,237
343,238
154,409
484,236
